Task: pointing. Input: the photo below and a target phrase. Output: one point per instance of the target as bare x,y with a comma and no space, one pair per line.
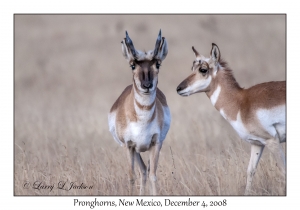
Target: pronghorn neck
144,105
225,93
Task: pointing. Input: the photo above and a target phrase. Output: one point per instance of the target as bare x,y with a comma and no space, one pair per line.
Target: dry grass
69,70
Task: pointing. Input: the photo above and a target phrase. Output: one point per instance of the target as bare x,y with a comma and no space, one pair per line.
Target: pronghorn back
266,95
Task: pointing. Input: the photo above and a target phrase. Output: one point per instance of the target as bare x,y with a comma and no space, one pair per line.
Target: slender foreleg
274,146
276,150
154,155
256,152
130,157
142,171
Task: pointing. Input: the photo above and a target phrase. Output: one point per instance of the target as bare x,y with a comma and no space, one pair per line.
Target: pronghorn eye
132,67
157,65
203,70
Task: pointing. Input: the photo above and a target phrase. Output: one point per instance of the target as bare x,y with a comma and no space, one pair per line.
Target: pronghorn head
204,71
145,65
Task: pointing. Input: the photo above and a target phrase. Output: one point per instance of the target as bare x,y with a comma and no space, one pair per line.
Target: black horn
130,44
157,44
195,51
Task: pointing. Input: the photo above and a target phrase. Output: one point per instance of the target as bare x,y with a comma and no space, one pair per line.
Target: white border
8,8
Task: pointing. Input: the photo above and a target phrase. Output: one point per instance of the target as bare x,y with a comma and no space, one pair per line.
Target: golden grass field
69,70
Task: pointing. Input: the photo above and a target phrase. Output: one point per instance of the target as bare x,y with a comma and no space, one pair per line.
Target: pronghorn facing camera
257,114
140,118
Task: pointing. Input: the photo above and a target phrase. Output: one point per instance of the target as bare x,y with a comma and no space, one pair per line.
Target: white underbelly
270,121
242,131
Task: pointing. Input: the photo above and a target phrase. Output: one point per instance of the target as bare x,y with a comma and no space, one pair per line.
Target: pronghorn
140,118
257,114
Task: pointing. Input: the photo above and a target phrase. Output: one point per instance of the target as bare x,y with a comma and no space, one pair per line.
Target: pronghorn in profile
140,118
257,114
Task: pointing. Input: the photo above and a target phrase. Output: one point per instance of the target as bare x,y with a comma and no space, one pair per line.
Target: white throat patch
214,97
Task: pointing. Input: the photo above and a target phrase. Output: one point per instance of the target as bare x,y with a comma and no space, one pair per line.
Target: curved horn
195,51
130,45
157,44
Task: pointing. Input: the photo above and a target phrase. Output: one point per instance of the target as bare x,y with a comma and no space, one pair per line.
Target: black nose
147,85
179,88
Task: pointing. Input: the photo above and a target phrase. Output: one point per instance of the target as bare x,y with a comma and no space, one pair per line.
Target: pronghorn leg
148,170
154,155
276,149
279,156
148,167
142,171
130,155
256,152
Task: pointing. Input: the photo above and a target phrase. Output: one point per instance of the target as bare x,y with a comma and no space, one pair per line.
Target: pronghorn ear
163,50
215,53
161,47
126,53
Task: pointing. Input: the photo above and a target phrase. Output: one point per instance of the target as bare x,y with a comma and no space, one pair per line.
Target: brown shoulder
121,98
161,97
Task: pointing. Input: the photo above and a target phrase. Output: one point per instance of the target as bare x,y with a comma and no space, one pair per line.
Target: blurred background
69,70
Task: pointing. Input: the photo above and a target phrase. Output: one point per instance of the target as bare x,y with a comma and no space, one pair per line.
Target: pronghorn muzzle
183,85
147,85
146,81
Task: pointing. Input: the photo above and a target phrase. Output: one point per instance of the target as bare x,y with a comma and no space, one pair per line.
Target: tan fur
160,113
124,104
140,117
144,107
126,113
161,97
247,101
256,113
